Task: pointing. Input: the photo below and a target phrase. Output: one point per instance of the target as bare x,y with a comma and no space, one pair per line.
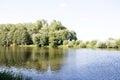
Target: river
61,64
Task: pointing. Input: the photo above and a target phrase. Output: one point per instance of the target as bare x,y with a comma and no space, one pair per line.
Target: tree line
42,34
108,43
39,33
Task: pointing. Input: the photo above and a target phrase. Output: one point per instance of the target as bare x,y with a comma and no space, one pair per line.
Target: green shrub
118,43
82,45
111,43
65,42
101,45
77,42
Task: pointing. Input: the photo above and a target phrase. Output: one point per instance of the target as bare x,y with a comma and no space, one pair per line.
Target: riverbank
67,46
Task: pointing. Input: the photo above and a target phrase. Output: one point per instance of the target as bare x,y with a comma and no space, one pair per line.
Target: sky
90,19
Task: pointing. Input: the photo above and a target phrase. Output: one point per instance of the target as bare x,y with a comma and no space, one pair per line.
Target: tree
39,24
36,39
22,37
39,33
56,25
40,39
25,37
52,39
118,43
72,35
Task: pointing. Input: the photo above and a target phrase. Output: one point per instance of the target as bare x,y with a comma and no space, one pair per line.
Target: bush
101,45
65,42
71,43
82,45
77,42
111,43
93,43
118,43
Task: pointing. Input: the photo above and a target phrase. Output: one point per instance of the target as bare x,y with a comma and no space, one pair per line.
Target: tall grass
10,76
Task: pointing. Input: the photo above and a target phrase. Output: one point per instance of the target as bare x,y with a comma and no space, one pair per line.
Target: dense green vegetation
39,33
109,43
9,76
43,34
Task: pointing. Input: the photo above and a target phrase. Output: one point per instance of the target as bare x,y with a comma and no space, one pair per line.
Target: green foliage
10,76
77,42
101,45
36,39
72,36
71,43
56,25
38,33
82,45
41,34
22,37
38,25
65,42
91,44
111,43
118,43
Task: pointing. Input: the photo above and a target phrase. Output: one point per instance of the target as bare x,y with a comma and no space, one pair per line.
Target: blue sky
91,19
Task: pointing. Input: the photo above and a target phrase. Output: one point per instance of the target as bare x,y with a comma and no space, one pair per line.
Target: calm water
61,64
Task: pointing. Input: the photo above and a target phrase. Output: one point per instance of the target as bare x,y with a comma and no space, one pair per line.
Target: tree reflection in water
41,59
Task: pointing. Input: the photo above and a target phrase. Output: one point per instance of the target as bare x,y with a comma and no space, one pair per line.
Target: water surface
61,64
